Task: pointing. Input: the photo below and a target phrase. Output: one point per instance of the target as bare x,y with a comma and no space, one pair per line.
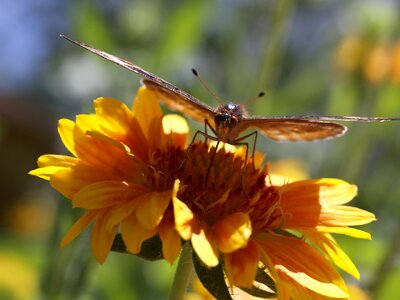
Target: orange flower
120,172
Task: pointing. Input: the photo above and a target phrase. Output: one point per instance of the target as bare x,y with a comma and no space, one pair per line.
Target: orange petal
171,241
78,227
241,265
233,232
101,194
300,268
302,202
101,239
146,108
327,244
134,234
151,208
205,245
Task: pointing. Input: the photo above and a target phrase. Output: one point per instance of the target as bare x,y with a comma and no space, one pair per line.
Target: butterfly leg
239,142
206,136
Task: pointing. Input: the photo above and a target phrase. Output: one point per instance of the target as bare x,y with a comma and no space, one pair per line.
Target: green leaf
151,249
213,279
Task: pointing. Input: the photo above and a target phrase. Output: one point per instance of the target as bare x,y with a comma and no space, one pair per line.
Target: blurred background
310,57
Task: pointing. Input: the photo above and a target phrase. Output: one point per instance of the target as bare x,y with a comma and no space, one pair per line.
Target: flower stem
183,274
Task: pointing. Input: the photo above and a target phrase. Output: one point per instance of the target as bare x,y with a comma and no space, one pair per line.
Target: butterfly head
226,118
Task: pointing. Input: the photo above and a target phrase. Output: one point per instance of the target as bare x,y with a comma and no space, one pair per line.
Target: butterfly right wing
292,129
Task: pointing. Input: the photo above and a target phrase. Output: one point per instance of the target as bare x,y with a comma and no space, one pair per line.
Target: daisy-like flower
132,174
122,173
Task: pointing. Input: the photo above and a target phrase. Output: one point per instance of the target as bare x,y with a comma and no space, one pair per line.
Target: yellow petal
134,234
108,140
345,216
151,208
205,245
145,108
101,239
353,232
233,232
65,130
88,122
45,172
176,129
113,115
322,288
241,266
57,161
184,217
101,194
78,227
326,243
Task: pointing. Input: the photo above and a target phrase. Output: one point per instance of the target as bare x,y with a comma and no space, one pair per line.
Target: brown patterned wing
303,128
182,102
288,129
172,96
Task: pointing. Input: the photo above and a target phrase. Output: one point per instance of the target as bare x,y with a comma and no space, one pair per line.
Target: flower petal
353,232
184,217
145,108
300,269
303,202
176,129
326,243
134,234
151,208
233,232
205,245
101,194
78,227
171,241
241,265
65,130
345,216
101,239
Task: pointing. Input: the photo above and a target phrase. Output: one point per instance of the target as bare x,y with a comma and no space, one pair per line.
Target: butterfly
229,120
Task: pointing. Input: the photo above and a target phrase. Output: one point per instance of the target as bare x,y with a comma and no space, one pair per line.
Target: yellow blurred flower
18,279
377,63
349,54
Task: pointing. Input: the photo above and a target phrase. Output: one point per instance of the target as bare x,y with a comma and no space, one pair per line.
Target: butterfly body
229,120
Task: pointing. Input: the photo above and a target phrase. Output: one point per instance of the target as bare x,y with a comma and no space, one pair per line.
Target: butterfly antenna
261,94
195,73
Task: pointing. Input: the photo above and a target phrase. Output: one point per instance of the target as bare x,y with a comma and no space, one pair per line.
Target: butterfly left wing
172,96
303,128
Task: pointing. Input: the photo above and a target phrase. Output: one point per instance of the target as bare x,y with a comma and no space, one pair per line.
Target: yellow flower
131,174
122,172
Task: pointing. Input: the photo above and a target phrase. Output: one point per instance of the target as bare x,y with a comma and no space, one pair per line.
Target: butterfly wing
182,102
293,128
173,97
303,128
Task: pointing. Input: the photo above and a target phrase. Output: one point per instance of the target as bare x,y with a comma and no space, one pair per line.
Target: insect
229,120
